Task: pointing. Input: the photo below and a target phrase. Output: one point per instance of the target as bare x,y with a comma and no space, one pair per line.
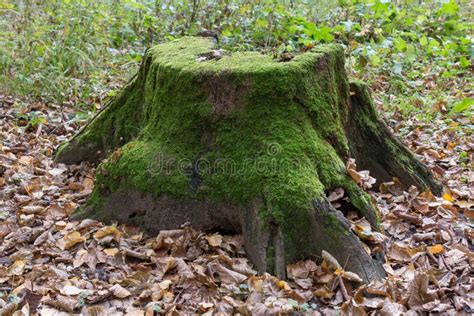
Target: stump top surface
188,53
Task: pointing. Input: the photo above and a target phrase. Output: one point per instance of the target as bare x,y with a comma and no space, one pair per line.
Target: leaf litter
51,265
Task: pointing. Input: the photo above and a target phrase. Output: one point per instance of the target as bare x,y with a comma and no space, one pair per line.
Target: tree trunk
243,143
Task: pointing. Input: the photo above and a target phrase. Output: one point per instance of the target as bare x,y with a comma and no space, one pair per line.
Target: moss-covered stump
242,143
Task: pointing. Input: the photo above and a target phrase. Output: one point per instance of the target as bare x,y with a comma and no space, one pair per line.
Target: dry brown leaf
392,309
88,183
226,275
184,271
57,171
70,240
87,223
108,231
372,302
418,293
354,175
95,310
214,240
351,276
119,291
8,309
164,264
111,251
298,270
32,209
64,303
255,283
323,292
401,252
16,268
352,308
70,290
394,187
330,260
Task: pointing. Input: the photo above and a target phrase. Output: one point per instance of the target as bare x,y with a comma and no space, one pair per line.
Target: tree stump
243,143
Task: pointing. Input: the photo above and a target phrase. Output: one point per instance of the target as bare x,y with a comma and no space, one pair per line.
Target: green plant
82,50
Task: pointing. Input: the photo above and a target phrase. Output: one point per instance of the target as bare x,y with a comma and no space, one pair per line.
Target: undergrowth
82,51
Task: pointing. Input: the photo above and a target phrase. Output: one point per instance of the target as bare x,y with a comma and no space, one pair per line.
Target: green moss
270,255
333,228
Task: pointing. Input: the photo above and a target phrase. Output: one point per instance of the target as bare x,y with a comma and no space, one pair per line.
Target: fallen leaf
70,290
119,292
448,197
108,231
57,171
32,209
111,251
351,276
70,240
392,309
298,270
16,268
62,302
164,264
226,275
323,292
436,249
394,187
330,260
214,240
418,293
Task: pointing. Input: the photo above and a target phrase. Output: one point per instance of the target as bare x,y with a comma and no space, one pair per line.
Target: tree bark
243,143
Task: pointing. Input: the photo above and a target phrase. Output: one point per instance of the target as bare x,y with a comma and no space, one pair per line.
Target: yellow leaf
108,231
111,251
16,268
436,249
70,240
364,232
448,197
338,271
283,285
354,175
164,285
256,283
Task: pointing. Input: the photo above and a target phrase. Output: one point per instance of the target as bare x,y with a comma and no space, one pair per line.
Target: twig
410,218
432,257
425,236
343,289
444,261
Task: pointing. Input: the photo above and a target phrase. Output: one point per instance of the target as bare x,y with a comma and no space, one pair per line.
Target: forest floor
51,265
